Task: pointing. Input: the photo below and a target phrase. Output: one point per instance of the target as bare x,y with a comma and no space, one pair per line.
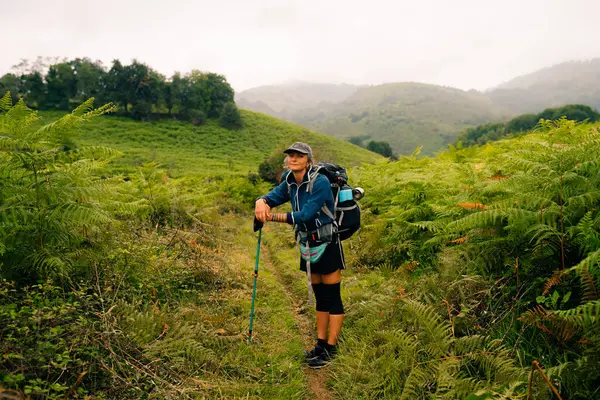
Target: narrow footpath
304,318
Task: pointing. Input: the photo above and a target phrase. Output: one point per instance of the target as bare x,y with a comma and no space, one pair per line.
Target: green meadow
208,150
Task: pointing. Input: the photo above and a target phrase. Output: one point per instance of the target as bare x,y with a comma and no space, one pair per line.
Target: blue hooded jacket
307,214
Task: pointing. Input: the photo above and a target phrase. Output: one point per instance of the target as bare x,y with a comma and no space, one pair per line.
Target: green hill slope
210,150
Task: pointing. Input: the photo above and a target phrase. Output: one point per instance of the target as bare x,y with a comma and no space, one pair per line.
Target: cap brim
288,151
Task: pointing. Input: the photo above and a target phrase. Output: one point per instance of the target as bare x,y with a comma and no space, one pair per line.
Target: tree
116,85
208,92
356,140
10,83
141,87
177,88
522,123
137,88
218,93
156,87
573,112
380,147
482,134
91,79
191,94
230,117
61,85
33,89
169,96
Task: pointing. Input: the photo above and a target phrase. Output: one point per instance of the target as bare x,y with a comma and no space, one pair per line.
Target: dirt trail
316,377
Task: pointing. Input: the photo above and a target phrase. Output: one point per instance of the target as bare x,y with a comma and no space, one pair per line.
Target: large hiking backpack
346,209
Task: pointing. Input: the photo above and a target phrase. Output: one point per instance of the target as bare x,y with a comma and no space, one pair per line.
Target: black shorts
331,260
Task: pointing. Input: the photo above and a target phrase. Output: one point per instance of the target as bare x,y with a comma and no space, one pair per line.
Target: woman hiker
318,240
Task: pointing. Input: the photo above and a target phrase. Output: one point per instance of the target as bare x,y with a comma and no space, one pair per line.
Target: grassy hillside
210,150
573,82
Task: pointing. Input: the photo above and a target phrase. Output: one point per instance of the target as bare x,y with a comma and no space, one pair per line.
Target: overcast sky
467,44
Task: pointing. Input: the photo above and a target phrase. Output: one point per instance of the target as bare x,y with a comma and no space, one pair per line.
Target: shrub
230,116
198,117
271,168
522,123
141,110
48,341
380,147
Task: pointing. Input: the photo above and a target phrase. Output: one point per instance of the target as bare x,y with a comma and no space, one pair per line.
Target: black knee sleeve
334,298
321,299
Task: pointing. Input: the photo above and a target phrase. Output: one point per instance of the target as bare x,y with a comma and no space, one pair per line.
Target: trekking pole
255,274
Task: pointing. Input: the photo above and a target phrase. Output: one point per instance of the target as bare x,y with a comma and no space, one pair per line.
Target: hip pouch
313,253
313,244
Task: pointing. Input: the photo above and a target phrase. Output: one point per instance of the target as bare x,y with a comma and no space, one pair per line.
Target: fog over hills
288,97
573,82
413,114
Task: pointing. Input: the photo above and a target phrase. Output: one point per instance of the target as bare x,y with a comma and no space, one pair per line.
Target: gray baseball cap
300,148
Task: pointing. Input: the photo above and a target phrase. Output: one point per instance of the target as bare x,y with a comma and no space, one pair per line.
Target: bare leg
335,327
322,324
322,316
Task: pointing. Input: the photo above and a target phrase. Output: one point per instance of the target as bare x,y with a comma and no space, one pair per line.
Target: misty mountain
408,115
573,82
286,99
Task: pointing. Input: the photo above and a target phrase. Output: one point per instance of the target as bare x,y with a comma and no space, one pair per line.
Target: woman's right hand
262,211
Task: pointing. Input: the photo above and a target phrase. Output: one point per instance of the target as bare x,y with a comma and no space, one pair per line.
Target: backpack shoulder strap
312,178
327,212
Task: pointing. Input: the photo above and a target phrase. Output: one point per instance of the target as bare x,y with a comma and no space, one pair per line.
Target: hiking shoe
316,351
323,360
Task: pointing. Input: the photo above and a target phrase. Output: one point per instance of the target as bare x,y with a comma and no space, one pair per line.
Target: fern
419,358
590,289
553,281
590,263
5,102
543,210
49,197
585,314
